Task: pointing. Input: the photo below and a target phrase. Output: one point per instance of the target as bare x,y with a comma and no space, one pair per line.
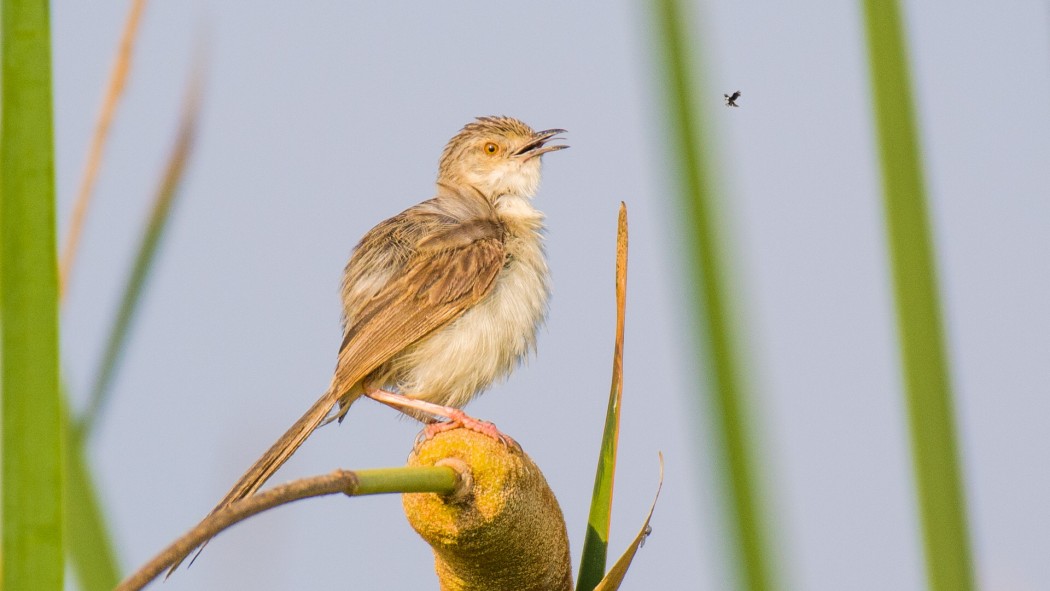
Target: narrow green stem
439,480
923,358
436,479
137,278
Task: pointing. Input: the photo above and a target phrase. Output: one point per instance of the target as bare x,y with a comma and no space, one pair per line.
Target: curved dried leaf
612,581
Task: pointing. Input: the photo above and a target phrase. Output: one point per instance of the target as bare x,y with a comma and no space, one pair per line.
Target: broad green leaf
31,435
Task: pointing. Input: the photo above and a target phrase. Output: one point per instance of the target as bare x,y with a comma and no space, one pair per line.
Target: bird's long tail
279,452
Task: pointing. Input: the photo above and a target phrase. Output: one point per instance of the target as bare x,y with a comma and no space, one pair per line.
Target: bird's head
498,156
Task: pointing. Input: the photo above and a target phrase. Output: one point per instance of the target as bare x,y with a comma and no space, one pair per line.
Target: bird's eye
491,148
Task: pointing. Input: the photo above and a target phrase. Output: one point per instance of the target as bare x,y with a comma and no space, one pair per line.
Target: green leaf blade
145,257
706,262
31,436
596,539
924,361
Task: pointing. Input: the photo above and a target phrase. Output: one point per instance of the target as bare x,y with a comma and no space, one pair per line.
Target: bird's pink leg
455,417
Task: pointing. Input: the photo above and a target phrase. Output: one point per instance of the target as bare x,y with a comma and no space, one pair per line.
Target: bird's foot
458,419
455,417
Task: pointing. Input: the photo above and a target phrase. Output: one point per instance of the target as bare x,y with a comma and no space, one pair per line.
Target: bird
731,99
443,299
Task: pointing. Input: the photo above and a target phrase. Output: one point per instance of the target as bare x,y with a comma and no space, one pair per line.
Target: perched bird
443,299
731,99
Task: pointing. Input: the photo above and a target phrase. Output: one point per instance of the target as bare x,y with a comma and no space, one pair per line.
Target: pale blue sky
321,120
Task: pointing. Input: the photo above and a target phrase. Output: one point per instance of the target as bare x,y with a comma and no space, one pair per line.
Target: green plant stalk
31,435
706,260
596,540
925,365
441,480
88,544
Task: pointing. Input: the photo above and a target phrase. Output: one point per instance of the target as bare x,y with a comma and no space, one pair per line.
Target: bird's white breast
487,342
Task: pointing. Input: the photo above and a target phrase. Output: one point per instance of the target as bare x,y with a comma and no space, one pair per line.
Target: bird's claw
459,419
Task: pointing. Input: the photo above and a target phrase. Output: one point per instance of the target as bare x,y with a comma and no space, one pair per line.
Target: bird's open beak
537,146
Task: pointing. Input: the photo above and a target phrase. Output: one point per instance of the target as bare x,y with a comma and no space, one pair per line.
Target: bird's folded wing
444,279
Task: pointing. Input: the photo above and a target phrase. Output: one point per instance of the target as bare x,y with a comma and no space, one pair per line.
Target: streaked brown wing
436,287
